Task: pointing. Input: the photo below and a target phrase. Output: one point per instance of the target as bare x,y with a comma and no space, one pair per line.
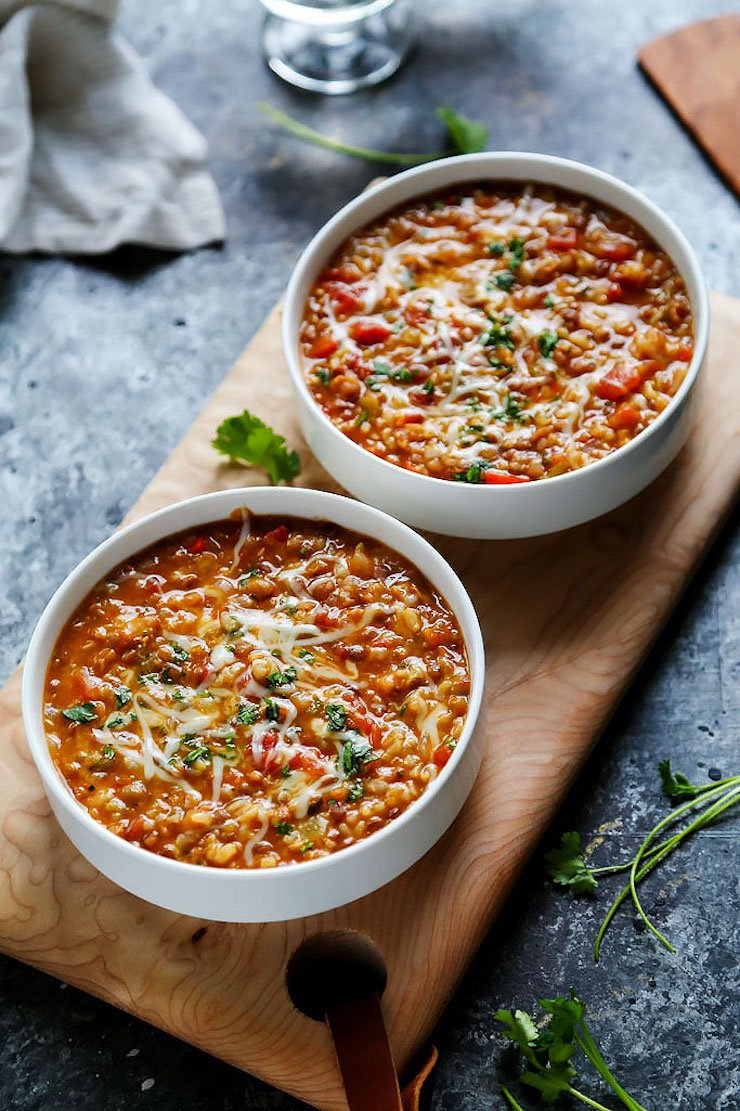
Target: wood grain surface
697,70
567,620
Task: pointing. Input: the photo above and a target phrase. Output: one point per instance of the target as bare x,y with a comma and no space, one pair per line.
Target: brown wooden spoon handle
364,1055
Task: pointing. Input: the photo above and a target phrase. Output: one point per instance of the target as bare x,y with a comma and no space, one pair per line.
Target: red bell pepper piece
369,332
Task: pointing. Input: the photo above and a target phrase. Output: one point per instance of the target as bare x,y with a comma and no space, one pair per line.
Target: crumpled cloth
92,154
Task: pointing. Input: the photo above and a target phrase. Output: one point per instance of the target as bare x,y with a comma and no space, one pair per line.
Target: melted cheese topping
256,694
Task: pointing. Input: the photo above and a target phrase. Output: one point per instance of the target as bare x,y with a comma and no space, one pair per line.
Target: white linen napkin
92,155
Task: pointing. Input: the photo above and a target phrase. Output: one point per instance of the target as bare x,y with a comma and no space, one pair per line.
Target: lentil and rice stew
497,334
256,692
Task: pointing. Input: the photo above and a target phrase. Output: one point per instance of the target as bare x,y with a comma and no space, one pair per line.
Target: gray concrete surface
105,364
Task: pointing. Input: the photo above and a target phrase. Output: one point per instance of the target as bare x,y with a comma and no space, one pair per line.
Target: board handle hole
333,968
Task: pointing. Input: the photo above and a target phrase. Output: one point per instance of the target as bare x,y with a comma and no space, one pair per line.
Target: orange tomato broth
256,692
496,334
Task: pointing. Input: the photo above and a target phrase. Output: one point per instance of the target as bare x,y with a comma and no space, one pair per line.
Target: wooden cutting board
697,70
567,620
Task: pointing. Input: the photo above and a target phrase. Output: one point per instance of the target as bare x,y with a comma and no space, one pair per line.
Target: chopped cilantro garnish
361,418
198,753
355,792
281,678
473,474
550,301
505,280
356,752
178,651
123,697
272,710
285,772
496,249
498,335
512,410
108,752
336,716
283,828
114,722
81,714
306,846
516,250
548,342
306,654
395,374
428,387
323,375
248,439
252,573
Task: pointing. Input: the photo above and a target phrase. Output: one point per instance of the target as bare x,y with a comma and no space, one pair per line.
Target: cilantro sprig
249,440
548,1052
465,136
695,808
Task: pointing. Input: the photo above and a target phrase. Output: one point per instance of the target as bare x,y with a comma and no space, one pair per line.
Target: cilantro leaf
356,752
123,697
675,785
520,1029
505,280
248,439
467,136
548,1052
81,714
548,342
281,678
247,713
336,716
566,866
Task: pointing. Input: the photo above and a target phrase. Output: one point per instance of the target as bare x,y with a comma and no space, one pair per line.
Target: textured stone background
106,362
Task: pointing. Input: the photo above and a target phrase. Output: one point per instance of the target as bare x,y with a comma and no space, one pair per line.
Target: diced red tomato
348,273
307,761
346,300
87,685
493,478
614,292
613,246
621,380
366,725
369,332
198,545
422,397
564,239
134,829
268,745
626,416
277,535
685,353
324,347
441,755
326,619
410,416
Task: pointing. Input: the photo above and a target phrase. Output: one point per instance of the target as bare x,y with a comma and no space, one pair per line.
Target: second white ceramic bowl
295,890
496,512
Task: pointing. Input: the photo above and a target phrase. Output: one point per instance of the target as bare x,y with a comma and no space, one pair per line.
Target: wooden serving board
697,70
567,620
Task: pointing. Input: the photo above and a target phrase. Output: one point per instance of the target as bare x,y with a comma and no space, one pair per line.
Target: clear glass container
336,46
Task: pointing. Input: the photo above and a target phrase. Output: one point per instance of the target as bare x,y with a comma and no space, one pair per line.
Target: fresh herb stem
659,852
585,1040
710,815
302,132
512,1102
585,1099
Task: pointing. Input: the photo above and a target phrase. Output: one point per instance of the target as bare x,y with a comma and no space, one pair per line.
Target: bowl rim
42,644
315,255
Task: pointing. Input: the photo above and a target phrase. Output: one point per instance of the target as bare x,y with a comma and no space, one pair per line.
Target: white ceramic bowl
496,512
295,890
